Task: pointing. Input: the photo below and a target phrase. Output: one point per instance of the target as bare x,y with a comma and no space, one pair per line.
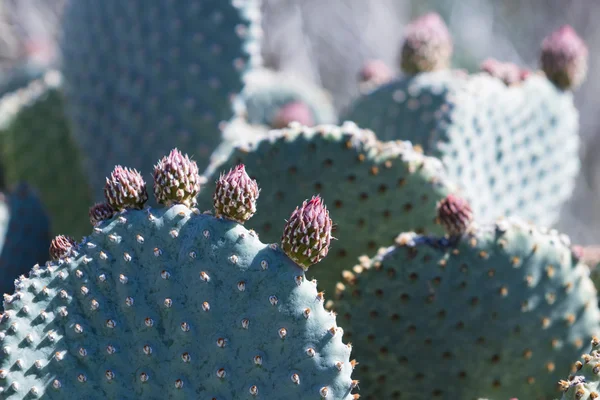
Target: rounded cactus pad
564,58
141,79
125,188
61,247
235,195
373,189
427,45
455,215
274,99
307,234
176,302
583,383
492,315
176,180
100,212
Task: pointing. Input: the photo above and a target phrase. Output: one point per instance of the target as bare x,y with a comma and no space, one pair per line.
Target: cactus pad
583,383
373,189
493,315
34,130
175,302
143,78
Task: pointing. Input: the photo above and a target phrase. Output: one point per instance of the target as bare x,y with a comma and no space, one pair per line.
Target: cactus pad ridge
125,188
176,180
176,302
235,195
374,189
564,58
455,215
501,308
427,45
307,234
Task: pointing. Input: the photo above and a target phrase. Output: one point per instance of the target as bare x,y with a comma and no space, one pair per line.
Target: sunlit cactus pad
24,234
142,77
514,148
374,189
170,302
34,129
497,313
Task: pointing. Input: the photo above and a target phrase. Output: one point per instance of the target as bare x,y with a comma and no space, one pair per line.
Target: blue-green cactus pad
372,189
24,235
171,304
34,130
143,77
513,149
494,314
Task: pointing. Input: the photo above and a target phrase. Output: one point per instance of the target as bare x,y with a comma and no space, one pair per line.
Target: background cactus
143,78
513,149
24,234
175,302
36,146
373,188
492,315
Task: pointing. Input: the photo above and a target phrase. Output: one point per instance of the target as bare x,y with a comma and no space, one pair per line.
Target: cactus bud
61,247
307,234
375,71
564,58
427,45
100,212
176,180
235,195
455,214
125,188
296,111
508,73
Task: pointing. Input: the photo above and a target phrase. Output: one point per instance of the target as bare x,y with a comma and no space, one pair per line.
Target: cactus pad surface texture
24,234
374,189
492,314
583,382
170,303
141,78
34,129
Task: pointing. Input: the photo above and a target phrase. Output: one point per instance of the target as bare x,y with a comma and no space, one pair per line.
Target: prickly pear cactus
34,129
583,383
493,313
174,302
24,234
373,188
141,78
513,148
274,99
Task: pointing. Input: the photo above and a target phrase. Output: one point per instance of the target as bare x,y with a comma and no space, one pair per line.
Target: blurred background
327,41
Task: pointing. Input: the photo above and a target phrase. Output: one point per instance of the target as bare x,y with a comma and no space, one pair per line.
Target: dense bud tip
507,72
427,45
235,195
455,214
307,234
100,212
176,180
125,188
564,58
61,247
296,111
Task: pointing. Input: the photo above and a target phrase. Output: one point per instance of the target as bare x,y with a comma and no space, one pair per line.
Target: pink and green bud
427,45
564,58
307,234
61,247
176,180
125,188
235,195
296,111
100,212
507,72
455,215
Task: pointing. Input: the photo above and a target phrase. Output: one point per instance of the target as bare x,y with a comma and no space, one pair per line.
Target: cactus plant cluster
158,285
